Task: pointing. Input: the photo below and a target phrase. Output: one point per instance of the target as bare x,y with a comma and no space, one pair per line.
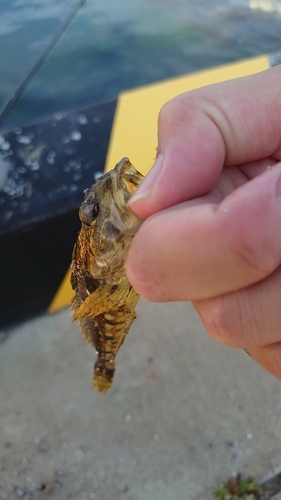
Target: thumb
201,131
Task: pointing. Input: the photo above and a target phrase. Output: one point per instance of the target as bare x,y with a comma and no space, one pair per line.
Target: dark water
26,29
111,46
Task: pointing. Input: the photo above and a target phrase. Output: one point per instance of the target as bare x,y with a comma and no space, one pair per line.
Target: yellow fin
101,301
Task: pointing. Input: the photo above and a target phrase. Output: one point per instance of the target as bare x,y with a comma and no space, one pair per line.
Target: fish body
104,301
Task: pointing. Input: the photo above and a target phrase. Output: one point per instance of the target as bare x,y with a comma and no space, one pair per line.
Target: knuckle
222,319
178,109
256,258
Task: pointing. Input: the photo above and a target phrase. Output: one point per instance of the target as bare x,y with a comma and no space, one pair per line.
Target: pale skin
212,210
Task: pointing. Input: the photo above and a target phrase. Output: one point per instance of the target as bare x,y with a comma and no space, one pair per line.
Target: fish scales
104,301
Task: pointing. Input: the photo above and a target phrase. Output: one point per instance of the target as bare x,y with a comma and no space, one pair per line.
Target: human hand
212,232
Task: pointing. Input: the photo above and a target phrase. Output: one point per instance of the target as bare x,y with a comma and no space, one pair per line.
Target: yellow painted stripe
134,132
63,296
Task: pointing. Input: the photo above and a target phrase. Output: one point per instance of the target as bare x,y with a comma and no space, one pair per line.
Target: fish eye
89,212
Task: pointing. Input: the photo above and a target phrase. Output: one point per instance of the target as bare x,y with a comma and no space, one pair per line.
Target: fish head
108,224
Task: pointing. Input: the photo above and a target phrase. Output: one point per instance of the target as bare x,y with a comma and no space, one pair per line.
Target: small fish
104,301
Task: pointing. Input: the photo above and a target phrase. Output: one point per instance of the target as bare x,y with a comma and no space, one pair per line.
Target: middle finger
247,318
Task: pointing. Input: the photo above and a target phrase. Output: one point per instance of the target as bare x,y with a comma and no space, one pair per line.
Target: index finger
197,250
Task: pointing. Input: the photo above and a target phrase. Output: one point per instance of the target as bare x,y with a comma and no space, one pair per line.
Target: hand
212,232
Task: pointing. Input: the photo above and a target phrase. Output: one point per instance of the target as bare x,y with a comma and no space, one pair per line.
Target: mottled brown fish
104,301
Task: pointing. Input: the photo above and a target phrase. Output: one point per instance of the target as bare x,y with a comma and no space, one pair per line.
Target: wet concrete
184,412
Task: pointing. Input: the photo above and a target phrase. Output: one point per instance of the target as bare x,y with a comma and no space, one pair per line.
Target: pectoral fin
102,300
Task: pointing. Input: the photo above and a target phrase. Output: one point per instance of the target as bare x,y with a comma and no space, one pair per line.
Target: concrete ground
184,412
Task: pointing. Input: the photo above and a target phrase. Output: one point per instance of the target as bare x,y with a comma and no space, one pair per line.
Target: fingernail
144,190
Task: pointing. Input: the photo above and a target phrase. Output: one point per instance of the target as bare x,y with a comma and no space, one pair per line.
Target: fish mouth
128,178
127,181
